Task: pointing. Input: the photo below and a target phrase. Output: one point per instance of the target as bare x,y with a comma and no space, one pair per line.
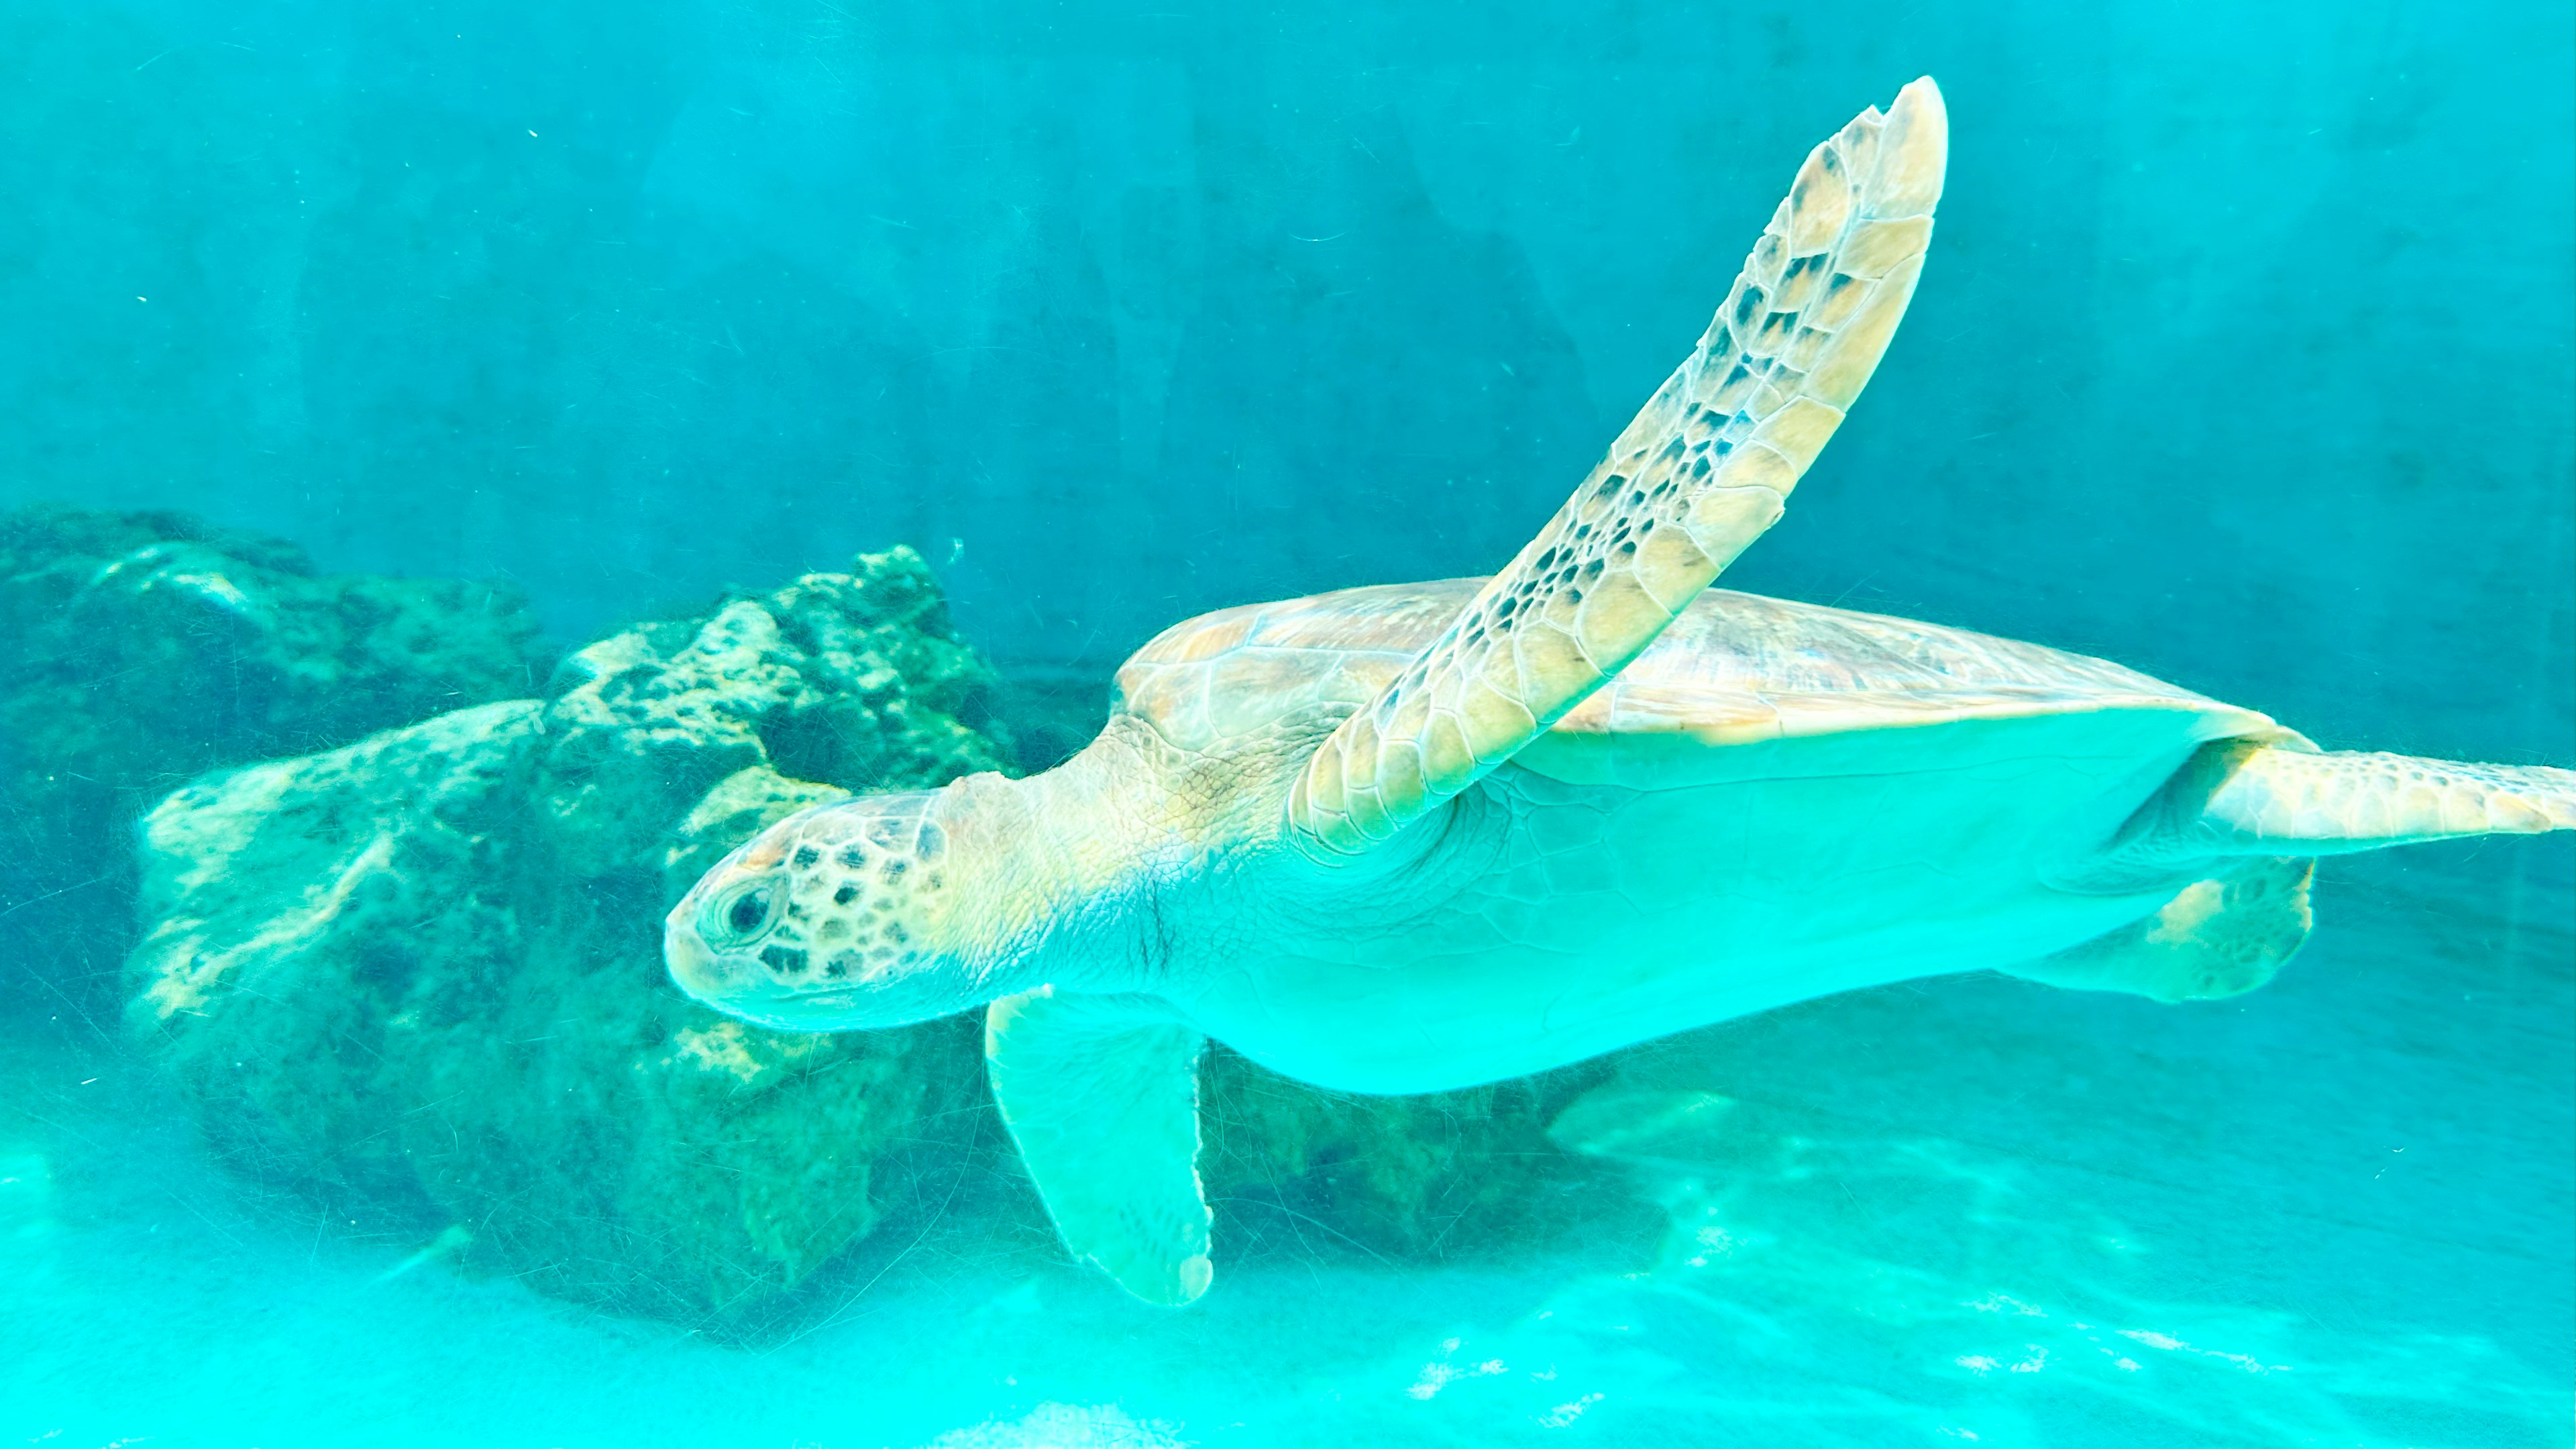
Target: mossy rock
1442,1175
138,650
425,970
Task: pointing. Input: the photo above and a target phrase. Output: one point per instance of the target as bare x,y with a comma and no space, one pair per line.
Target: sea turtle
1418,837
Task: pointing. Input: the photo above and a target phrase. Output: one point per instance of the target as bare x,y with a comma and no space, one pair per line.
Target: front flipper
1101,1094
1695,478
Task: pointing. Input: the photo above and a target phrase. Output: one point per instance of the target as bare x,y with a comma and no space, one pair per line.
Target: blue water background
2243,356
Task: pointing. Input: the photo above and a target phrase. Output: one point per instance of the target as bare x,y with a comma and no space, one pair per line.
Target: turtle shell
1734,669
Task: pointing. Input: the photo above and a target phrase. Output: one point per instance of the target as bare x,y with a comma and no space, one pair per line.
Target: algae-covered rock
138,650
1439,1175
425,970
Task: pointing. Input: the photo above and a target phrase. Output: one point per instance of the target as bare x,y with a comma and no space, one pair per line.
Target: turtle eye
742,916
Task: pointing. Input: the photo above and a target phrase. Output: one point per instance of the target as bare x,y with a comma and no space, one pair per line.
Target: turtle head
849,915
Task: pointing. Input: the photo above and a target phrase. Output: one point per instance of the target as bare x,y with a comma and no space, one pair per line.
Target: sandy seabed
2340,1211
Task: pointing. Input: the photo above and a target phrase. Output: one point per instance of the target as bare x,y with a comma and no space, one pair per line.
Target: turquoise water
2244,356
2336,1212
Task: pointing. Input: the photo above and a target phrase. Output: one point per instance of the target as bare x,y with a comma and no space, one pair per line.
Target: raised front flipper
1101,1094
1699,474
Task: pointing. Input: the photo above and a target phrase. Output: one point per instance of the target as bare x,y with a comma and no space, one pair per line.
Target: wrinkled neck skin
1062,874
1134,867
1162,866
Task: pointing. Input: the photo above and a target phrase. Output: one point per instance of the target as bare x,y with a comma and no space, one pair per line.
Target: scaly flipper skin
2218,937
2247,797
2277,801
1698,475
1101,1094
2281,805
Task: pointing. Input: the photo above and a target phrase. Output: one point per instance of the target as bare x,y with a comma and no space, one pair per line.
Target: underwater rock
425,971
1435,1176
423,974
138,650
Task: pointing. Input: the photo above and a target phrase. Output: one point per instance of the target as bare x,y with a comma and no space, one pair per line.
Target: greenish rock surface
422,974
1418,1178
425,970
138,650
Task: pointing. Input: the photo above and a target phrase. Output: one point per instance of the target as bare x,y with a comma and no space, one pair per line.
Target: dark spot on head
785,960
842,964
894,870
846,894
931,842
805,856
852,857
895,932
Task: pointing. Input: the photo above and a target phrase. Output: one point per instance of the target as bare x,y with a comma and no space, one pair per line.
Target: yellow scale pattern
1694,479
2374,800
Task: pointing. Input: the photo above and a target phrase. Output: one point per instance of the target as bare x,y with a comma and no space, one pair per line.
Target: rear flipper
2221,936
2248,818
2250,799
2240,797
